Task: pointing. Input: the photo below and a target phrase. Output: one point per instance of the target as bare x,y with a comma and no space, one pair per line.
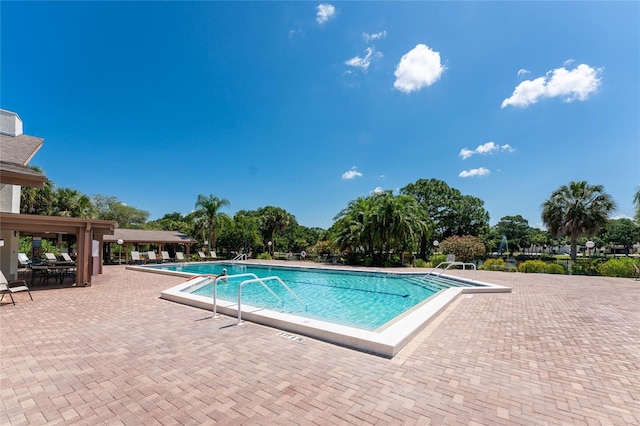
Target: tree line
380,226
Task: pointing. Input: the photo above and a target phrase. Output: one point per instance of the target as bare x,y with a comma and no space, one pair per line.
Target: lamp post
436,244
206,244
120,241
269,243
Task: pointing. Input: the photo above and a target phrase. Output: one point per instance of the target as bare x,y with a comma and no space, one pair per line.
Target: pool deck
556,350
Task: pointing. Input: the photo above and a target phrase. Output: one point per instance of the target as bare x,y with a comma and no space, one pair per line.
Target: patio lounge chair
50,257
66,257
151,255
202,255
6,287
135,257
180,256
24,260
165,256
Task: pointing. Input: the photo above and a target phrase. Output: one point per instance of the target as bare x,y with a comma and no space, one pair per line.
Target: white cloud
576,84
418,68
522,71
296,32
363,63
371,37
487,148
377,190
351,174
325,12
474,172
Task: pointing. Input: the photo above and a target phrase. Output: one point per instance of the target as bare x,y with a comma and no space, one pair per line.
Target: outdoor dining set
48,267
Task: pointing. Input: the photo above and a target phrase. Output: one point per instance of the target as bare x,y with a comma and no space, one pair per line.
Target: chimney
10,123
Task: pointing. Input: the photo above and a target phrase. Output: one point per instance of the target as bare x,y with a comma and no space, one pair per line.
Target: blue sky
309,105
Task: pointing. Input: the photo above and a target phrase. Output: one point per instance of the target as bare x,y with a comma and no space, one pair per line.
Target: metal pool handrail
261,281
225,277
450,264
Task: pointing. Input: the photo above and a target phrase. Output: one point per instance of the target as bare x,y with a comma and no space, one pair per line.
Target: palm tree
208,206
275,220
576,209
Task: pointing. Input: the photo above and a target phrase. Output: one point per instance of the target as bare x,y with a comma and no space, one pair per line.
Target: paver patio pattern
557,350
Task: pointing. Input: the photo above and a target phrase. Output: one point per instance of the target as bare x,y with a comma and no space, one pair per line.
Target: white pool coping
386,341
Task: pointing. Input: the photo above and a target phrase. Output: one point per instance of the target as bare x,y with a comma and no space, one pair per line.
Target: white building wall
10,123
9,198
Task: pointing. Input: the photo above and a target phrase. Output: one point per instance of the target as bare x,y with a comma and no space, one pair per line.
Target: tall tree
622,231
110,208
380,224
516,229
274,221
209,206
39,201
72,203
450,212
575,209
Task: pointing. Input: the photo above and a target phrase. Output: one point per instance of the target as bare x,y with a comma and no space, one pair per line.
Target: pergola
130,237
86,231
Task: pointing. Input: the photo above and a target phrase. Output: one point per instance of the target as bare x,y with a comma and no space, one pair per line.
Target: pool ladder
450,264
253,278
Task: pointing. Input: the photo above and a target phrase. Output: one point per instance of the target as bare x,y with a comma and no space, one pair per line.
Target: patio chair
66,257
637,271
135,257
151,255
6,287
180,256
202,255
50,257
214,255
24,260
165,256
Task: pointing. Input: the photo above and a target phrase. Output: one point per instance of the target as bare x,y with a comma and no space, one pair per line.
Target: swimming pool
373,312
362,300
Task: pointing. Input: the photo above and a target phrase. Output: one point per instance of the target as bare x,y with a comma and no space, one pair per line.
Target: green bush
493,265
617,267
437,259
264,256
421,263
368,261
554,268
538,266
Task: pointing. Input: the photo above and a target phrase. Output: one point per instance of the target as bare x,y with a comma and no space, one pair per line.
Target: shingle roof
19,149
148,236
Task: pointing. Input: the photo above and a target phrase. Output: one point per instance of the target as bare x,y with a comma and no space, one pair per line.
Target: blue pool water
362,300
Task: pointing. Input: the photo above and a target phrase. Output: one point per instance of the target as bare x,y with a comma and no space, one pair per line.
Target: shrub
532,266
421,263
538,266
554,268
617,267
437,259
466,248
368,261
493,265
264,256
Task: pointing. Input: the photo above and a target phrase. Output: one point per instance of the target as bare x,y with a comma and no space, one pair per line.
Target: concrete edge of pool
386,342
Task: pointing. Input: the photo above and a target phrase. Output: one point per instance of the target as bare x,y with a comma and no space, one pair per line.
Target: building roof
19,149
17,174
148,236
15,154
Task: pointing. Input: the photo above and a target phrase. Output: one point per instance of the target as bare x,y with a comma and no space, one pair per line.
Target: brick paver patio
557,350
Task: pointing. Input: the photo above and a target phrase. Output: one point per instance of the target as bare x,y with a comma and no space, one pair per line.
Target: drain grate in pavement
290,337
